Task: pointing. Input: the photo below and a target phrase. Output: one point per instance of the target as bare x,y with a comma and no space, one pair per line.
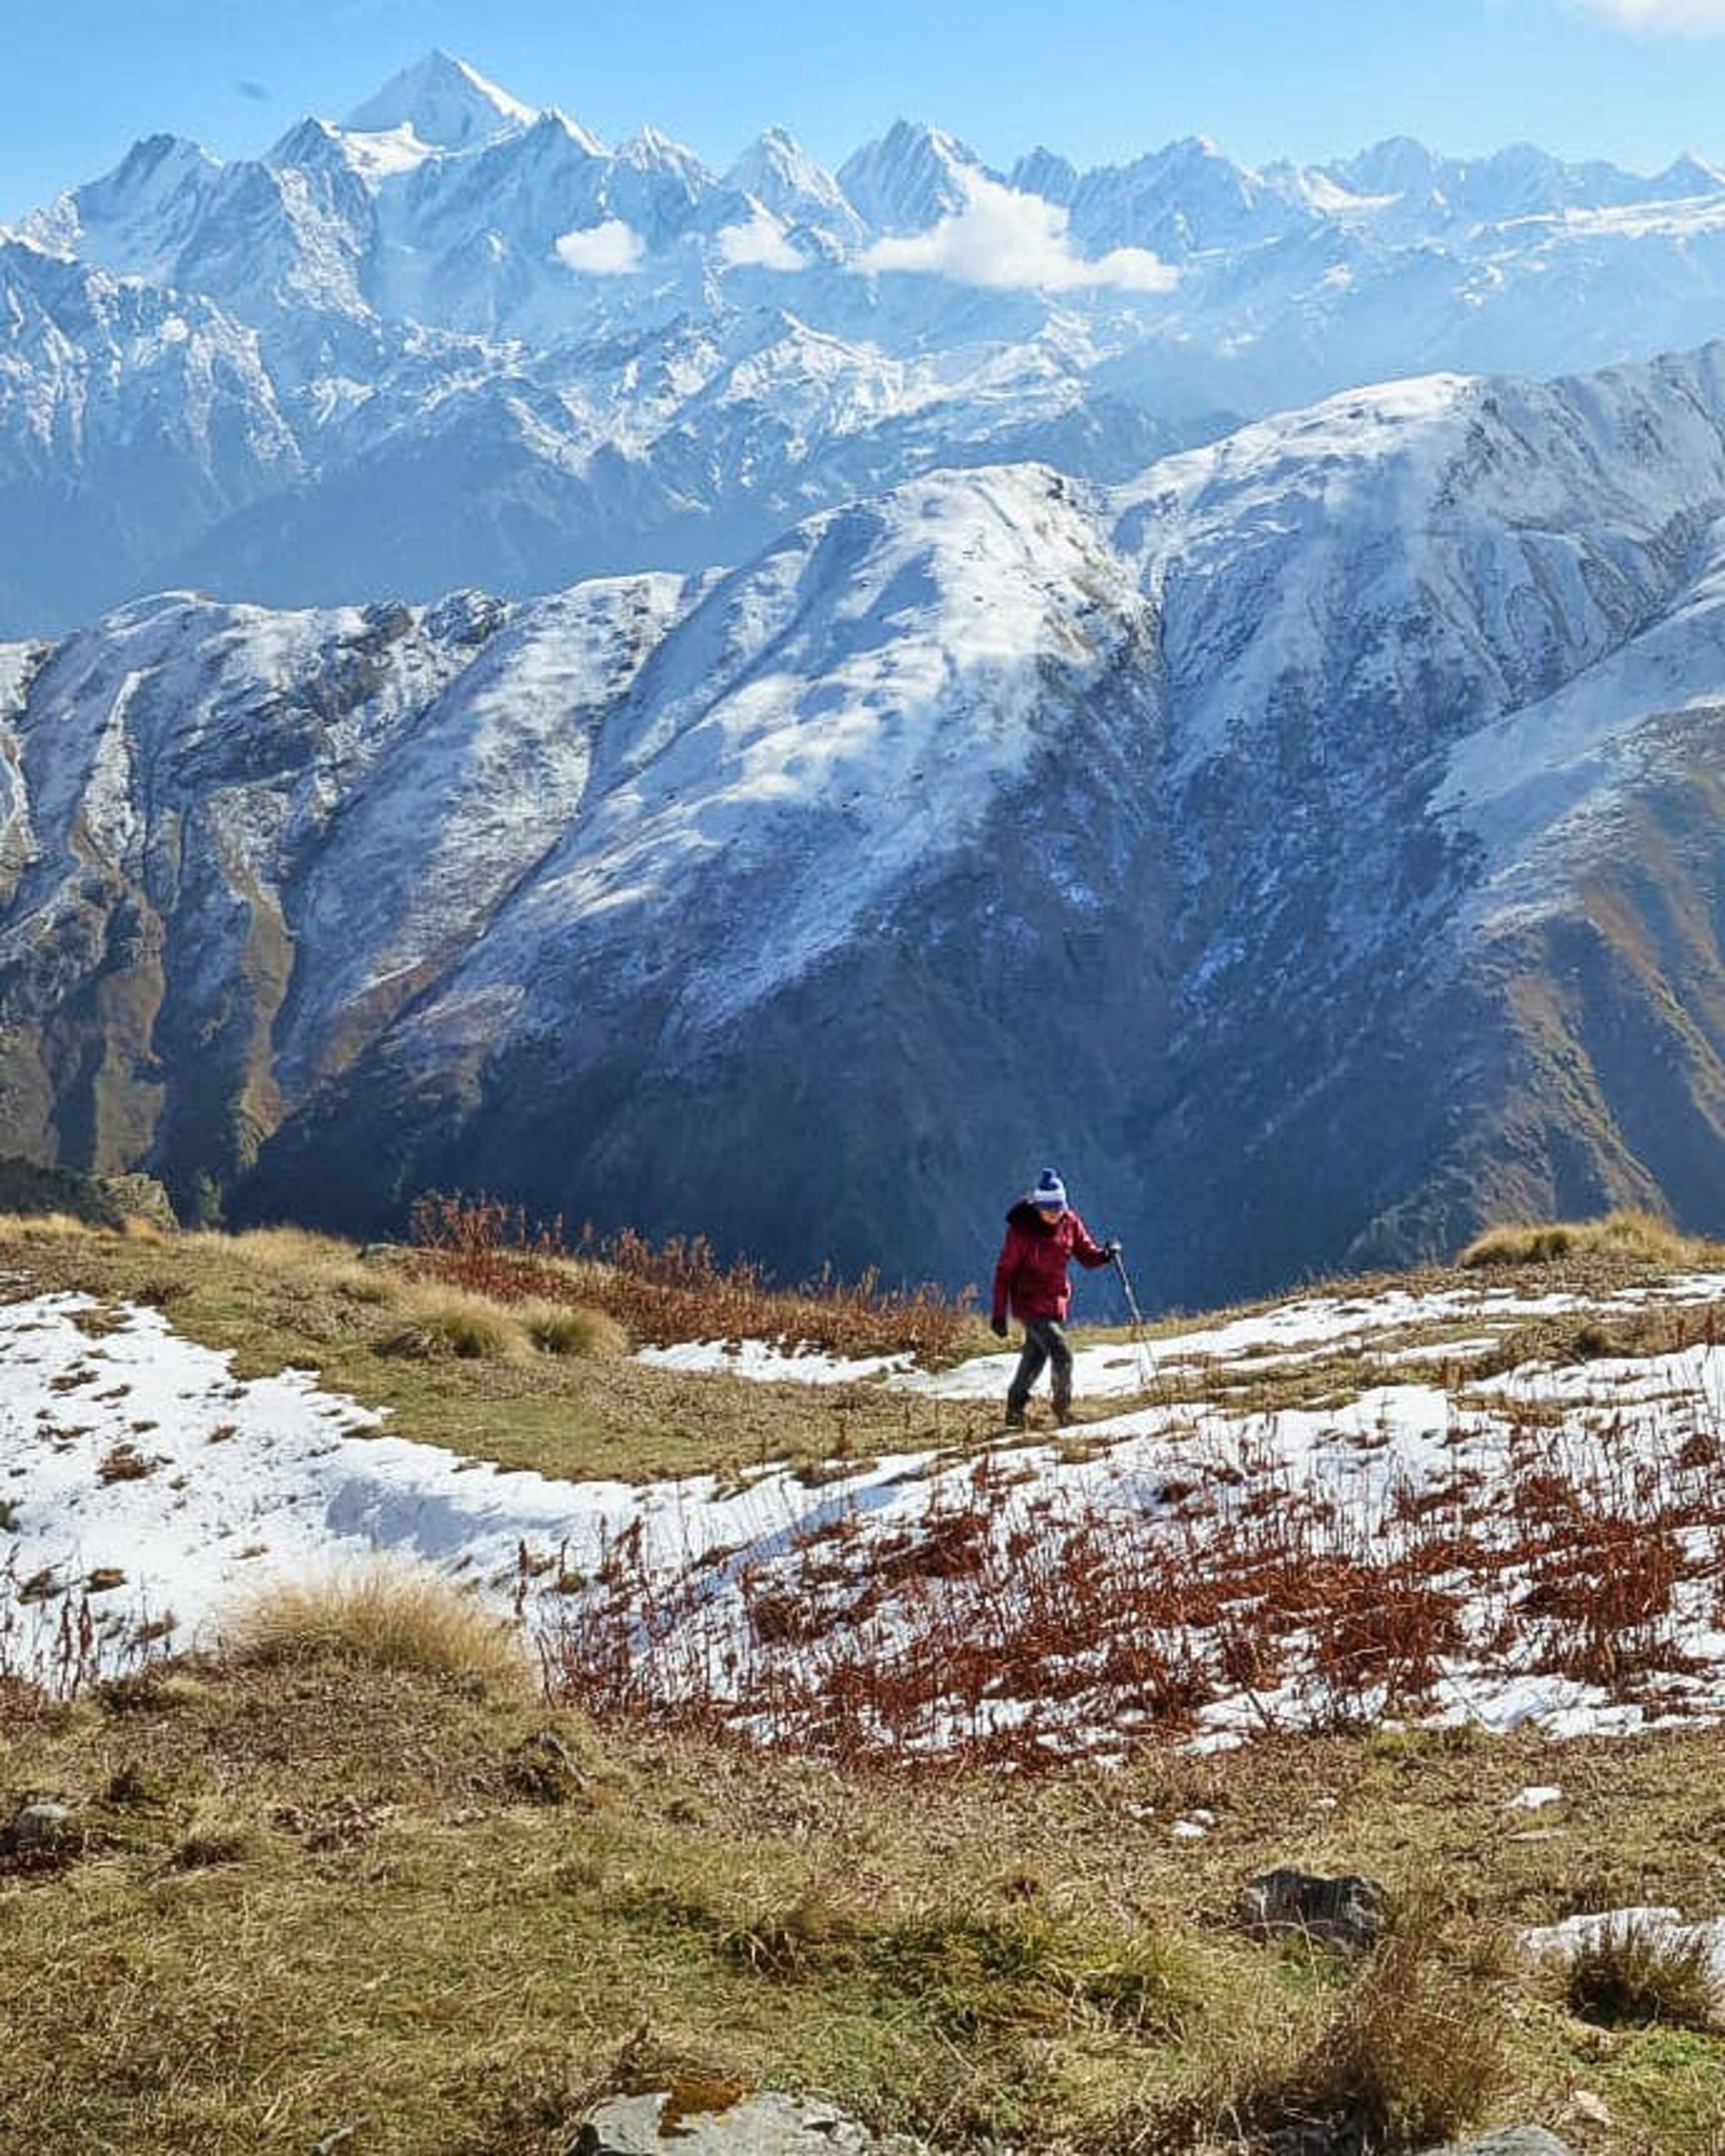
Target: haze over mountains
996,722
458,341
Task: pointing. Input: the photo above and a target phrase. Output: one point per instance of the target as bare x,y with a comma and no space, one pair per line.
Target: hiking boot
1063,1407
1015,1417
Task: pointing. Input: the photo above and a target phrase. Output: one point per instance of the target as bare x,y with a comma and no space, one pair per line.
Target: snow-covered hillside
1433,1548
459,339
1308,841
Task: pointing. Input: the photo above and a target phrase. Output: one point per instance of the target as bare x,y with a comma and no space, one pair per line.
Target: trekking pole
1147,1362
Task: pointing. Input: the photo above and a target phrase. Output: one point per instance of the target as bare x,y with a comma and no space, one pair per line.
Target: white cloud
611,249
1003,238
759,244
1664,14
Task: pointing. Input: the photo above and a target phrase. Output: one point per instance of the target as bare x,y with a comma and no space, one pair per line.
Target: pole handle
1132,1301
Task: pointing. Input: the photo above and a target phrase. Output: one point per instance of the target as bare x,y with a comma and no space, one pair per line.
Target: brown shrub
676,1290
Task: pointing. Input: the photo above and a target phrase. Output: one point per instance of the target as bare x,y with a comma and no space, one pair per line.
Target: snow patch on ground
132,1456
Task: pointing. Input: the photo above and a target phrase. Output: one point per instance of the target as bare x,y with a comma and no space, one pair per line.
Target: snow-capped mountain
909,180
492,339
443,104
132,420
1315,834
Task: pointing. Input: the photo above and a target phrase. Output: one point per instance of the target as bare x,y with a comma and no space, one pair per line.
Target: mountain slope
130,422
1308,844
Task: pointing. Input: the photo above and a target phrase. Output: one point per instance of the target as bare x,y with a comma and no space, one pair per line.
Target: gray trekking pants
1045,1342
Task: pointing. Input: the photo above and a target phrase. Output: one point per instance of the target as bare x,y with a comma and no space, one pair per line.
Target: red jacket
1031,1276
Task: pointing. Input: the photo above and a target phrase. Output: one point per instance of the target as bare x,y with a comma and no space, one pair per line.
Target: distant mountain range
1311,842
458,341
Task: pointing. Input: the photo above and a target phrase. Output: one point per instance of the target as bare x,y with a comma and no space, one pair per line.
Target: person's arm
1088,1251
1005,1271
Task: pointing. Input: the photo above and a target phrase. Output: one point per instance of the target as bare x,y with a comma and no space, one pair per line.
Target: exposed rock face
1310,846
103,1200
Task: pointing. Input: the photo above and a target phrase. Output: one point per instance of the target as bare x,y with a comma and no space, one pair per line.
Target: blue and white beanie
1049,1191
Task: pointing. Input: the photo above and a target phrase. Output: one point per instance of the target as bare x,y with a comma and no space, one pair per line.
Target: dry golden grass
385,1617
437,1321
321,1892
309,1264
1638,1236
47,1228
560,1328
218,1832
285,1248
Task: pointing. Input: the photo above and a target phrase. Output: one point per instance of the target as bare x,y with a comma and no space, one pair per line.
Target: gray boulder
1507,2140
42,1833
674,2123
1346,1911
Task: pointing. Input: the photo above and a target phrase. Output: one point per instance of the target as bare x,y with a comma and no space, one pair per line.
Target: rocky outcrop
104,1201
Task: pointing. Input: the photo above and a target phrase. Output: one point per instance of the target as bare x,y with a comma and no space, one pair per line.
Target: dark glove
997,1326
1110,1249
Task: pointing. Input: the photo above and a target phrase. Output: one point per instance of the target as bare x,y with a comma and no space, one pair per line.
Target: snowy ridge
823,726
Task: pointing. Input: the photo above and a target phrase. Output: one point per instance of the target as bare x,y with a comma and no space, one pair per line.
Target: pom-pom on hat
1050,1193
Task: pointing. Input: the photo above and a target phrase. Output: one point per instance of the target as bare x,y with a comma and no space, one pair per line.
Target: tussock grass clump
1624,1234
438,1321
562,1328
1409,2054
287,1249
218,1835
386,1617
308,1263
1638,1974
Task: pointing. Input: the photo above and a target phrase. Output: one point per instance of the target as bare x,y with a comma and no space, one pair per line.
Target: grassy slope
571,1417
313,1898
583,1418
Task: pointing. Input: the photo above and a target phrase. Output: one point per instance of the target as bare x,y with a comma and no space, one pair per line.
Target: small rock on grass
1507,2140
1346,1911
675,2123
42,1832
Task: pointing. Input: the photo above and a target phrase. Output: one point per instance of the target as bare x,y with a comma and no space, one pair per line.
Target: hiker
1043,1236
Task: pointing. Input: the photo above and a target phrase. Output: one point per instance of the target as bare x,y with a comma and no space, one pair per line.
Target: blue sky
1635,80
